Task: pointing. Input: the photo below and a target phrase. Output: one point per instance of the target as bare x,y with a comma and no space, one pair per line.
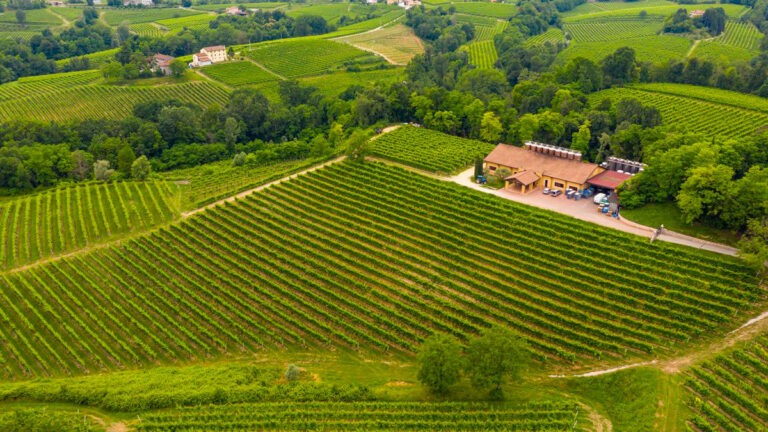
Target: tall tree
440,362
495,356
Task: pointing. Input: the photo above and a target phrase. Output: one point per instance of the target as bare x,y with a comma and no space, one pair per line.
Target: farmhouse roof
163,60
609,179
552,166
202,57
524,177
214,48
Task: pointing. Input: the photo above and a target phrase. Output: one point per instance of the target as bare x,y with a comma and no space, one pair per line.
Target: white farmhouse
209,55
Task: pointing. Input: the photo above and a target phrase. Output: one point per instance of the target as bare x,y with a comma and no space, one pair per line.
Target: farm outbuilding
540,165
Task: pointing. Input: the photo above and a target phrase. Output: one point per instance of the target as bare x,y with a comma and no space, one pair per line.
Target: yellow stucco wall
544,181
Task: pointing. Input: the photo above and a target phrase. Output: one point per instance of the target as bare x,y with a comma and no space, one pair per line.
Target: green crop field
204,184
552,35
397,43
495,10
70,218
366,25
34,18
694,115
47,83
238,73
739,42
655,49
335,83
387,257
331,12
219,7
193,22
475,20
730,392
613,28
101,101
429,150
483,32
304,57
368,416
71,13
482,51
651,7
115,17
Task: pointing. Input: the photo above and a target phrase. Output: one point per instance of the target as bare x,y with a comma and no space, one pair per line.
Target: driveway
586,210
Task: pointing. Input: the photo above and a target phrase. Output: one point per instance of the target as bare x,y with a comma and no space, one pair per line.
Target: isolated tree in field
101,170
239,159
21,17
177,68
125,158
490,127
140,168
357,146
440,362
231,132
495,356
292,373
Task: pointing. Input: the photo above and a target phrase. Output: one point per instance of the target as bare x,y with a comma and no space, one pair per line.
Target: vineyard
115,17
192,22
219,7
387,257
429,150
739,42
304,57
369,416
212,182
366,25
397,43
96,59
70,218
694,115
147,29
335,83
482,51
612,28
495,10
552,35
652,8
40,84
105,101
238,73
730,392
709,94
655,49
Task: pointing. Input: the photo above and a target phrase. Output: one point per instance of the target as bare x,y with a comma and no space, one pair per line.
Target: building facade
209,55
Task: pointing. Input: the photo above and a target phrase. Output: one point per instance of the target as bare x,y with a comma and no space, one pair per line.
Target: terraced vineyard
693,114
71,218
238,73
387,257
429,150
207,183
47,83
304,57
730,393
369,416
613,28
105,101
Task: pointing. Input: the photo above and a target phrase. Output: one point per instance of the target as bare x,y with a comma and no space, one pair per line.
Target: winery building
537,165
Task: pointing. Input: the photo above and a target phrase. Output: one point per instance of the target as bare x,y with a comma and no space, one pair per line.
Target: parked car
599,198
546,191
556,193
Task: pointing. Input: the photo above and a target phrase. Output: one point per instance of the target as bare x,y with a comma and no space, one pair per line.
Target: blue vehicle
481,179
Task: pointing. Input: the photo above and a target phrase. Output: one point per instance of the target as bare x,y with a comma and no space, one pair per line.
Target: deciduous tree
440,362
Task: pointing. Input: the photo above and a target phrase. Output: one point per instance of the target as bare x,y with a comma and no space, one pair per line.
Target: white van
599,198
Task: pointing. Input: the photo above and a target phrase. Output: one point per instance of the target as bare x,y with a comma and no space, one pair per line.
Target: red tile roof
609,179
202,57
524,177
213,48
551,166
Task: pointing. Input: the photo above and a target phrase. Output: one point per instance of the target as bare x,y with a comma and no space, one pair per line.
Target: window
559,185
491,168
546,183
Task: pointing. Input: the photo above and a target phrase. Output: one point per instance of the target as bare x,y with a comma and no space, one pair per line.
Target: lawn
667,214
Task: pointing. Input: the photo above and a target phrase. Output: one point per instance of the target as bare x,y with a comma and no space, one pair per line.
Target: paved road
586,210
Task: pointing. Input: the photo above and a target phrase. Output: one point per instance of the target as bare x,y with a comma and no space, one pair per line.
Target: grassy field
396,42
70,218
37,20
691,114
388,256
667,214
494,10
103,101
306,57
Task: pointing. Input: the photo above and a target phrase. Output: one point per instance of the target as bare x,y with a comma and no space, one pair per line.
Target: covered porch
523,181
